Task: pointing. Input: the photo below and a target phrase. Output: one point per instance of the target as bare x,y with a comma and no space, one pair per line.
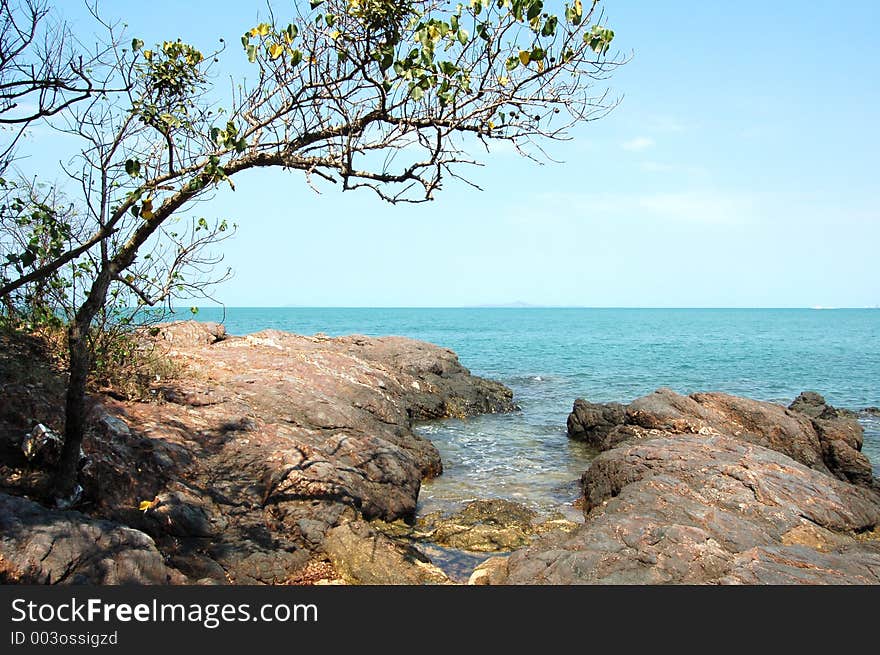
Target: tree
43,71
382,95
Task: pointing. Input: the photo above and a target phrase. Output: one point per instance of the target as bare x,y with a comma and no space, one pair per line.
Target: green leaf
463,37
535,9
136,44
416,93
295,57
574,13
133,167
599,39
316,3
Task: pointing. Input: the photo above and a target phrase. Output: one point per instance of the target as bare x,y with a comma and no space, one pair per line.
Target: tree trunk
75,408
80,354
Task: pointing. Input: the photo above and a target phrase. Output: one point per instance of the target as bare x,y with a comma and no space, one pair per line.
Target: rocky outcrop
264,444
711,488
809,431
41,546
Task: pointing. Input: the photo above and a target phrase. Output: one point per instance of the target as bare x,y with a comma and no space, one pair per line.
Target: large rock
712,488
264,444
708,509
41,546
809,431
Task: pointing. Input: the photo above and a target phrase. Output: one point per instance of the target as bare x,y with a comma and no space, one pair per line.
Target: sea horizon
183,309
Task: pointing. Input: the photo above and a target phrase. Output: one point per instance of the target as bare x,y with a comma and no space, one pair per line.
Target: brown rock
267,442
704,509
810,431
361,555
42,546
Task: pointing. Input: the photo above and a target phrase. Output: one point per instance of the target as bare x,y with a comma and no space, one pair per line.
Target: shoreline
278,458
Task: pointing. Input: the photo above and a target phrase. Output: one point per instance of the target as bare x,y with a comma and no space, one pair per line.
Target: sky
739,170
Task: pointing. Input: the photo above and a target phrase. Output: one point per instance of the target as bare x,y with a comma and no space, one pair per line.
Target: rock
183,513
42,446
491,572
841,437
261,445
848,463
42,546
810,403
696,509
361,555
593,422
186,334
811,432
711,488
484,526
813,405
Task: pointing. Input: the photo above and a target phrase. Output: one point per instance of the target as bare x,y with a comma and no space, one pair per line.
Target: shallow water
505,456
549,357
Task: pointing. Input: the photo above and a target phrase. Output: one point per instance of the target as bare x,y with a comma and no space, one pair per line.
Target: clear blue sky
741,169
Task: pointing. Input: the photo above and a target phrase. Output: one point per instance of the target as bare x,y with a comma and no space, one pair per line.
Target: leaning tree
386,95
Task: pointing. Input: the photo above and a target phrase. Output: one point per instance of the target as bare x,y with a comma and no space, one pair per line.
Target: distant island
517,304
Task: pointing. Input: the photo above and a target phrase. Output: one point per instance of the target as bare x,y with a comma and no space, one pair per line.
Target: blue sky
741,169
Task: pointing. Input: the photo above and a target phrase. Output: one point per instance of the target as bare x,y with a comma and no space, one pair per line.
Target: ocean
549,357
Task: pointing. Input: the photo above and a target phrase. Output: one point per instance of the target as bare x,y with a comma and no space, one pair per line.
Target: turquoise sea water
549,357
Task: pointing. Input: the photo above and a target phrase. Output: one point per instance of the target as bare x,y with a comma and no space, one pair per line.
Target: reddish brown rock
694,509
711,488
810,432
267,442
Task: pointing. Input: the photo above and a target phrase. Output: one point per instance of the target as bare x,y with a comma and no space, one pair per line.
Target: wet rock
362,555
484,526
592,422
41,546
